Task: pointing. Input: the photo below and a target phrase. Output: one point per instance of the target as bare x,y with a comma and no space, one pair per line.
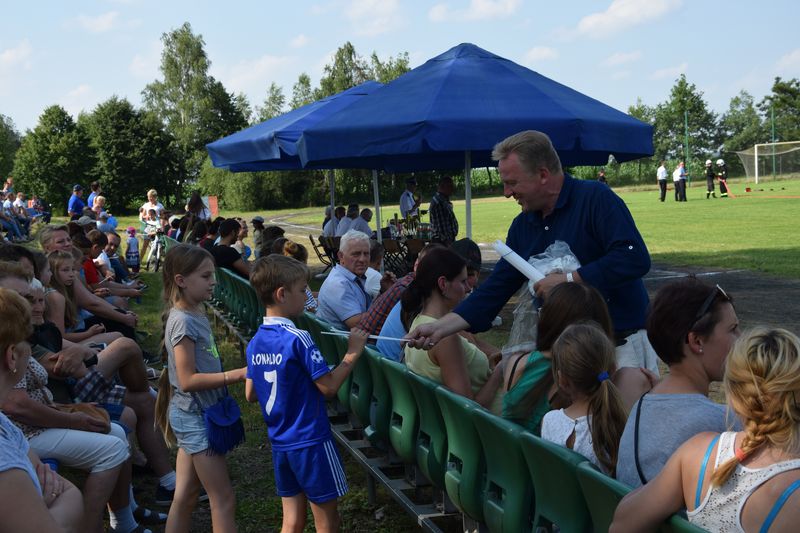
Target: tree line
162,144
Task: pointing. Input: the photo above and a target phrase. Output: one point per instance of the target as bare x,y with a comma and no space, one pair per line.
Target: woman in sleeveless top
439,285
530,388
737,481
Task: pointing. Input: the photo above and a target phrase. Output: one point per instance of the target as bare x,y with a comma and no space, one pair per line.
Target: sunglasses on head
718,291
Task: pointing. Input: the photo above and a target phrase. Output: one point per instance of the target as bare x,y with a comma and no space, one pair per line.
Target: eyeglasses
718,291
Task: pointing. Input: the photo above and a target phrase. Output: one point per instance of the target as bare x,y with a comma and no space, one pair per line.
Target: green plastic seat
404,417
601,493
559,498
508,501
377,432
361,390
431,447
678,524
466,466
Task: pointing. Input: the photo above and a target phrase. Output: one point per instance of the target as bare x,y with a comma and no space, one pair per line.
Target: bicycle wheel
159,250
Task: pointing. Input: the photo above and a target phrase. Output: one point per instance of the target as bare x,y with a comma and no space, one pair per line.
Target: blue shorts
189,429
316,471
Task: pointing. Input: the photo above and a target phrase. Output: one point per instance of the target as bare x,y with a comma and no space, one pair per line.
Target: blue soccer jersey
283,362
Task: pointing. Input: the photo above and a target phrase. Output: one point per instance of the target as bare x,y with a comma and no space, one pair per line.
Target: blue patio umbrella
271,145
468,99
453,109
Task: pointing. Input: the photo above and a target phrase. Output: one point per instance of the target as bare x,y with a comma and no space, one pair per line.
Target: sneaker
164,496
146,517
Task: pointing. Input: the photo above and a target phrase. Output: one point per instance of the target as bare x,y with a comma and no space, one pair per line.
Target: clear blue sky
80,53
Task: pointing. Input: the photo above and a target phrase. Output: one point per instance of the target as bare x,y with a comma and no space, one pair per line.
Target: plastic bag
556,258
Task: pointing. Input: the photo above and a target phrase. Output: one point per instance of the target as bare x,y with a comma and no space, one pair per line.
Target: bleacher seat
466,466
553,470
380,402
508,499
431,446
404,417
601,493
361,390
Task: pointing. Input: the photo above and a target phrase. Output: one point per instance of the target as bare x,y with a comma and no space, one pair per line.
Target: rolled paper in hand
527,270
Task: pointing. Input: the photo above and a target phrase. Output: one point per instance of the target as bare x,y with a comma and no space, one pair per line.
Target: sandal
152,373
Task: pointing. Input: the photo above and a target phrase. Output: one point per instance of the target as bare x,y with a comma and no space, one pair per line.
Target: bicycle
156,251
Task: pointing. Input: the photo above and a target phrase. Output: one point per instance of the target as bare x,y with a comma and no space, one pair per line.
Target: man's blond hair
534,150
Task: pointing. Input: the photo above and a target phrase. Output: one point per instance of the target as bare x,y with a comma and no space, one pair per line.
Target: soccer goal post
780,159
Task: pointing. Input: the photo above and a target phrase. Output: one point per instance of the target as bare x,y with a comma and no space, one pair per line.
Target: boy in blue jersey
288,376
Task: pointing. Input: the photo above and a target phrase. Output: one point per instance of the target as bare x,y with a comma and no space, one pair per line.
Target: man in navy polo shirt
75,205
589,217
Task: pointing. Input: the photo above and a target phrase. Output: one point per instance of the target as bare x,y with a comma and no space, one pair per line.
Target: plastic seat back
553,469
601,493
508,501
404,417
361,390
380,401
463,478
678,524
431,447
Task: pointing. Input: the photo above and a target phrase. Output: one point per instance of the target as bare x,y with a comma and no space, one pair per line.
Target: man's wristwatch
570,279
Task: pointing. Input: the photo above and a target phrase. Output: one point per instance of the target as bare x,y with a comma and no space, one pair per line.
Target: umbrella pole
468,190
377,204
331,180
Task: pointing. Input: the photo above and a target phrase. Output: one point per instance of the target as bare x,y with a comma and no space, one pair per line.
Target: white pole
377,203
333,192
468,190
755,160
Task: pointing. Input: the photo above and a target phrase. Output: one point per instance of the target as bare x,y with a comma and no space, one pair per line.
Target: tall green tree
741,126
302,93
274,104
669,131
9,144
195,108
133,153
53,157
392,68
347,70
784,103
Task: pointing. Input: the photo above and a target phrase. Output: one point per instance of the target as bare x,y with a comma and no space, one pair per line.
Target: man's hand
96,329
84,422
69,361
52,484
544,286
101,292
425,336
387,280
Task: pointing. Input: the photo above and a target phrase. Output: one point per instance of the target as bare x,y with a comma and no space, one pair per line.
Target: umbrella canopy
466,100
271,145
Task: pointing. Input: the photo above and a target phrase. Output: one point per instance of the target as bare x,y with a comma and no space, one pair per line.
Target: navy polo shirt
600,231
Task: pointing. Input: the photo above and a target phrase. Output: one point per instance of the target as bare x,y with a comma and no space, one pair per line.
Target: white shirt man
662,173
409,206
361,223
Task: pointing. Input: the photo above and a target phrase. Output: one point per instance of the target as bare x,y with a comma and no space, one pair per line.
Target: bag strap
513,369
636,441
776,508
703,465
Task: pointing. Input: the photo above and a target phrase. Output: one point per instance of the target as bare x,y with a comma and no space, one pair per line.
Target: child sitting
288,376
583,361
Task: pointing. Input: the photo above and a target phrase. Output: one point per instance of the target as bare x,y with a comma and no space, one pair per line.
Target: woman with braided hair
737,481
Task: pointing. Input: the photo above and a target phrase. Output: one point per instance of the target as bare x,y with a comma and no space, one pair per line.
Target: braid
761,379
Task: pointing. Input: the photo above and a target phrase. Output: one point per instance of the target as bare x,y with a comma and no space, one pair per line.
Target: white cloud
13,61
789,64
477,10
620,58
623,14
252,76
299,41
669,72
373,17
17,56
81,98
538,54
98,24
145,65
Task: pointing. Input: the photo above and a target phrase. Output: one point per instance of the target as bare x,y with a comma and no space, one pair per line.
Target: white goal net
771,160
